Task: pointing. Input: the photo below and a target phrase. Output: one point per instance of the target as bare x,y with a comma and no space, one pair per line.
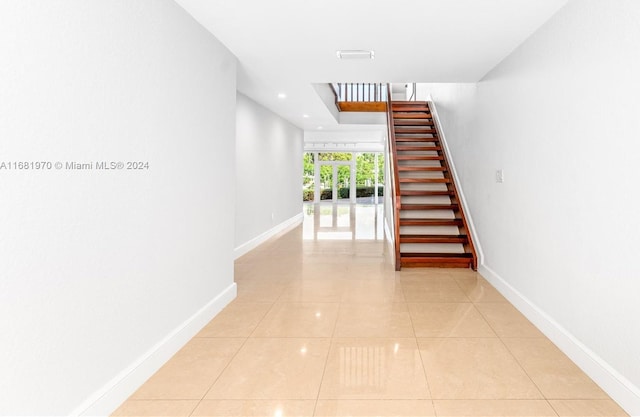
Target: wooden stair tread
411,102
435,255
430,222
413,129
420,158
408,107
413,122
410,128
404,106
411,111
450,206
426,180
401,103
425,193
404,138
405,148
420,168
433,238
416,139
439,236
411,116
439,260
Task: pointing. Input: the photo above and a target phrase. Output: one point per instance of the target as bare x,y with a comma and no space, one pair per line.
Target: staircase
431,229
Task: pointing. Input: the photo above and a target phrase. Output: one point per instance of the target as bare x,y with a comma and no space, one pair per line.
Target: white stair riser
431,248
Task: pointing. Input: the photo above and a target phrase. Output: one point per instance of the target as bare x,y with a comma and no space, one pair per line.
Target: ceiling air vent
355,54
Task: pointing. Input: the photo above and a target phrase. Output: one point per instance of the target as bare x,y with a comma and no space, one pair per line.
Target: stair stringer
457,182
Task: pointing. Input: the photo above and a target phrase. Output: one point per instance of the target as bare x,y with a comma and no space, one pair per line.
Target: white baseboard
107,399
387,231
390,243
619,388
283,227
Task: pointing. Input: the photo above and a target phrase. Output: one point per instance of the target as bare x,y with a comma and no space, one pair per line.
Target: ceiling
284,46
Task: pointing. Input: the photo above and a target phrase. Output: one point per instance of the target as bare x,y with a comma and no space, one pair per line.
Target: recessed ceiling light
355,54
306,116
282,95
319,127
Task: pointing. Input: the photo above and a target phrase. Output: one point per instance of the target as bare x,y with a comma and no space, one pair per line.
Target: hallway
324,326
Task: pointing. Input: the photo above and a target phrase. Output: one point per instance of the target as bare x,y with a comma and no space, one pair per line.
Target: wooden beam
363,106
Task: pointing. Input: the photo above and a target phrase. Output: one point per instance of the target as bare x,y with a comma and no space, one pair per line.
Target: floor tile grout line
260,321
462,289
542,335
235,354
484,318
523,369
224,369
326,362
545,396
424,369
552,407
196,407
495,335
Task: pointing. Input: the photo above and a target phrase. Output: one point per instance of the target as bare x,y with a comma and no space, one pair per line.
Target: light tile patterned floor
324,326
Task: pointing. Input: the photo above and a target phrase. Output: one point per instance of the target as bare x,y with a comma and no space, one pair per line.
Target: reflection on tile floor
324,326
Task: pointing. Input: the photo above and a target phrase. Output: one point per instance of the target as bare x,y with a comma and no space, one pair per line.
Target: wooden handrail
395,181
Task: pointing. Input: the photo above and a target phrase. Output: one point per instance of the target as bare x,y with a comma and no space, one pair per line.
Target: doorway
343,177
335,182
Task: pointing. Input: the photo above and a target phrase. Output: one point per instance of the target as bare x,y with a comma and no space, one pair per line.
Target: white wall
455,105
388,206
455,110
560,235
102,270
268,172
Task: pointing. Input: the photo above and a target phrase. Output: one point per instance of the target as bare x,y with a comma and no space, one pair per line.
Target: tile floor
324,326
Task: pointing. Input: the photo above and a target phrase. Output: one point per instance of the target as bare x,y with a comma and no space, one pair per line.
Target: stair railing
360,92
413,92
395,181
